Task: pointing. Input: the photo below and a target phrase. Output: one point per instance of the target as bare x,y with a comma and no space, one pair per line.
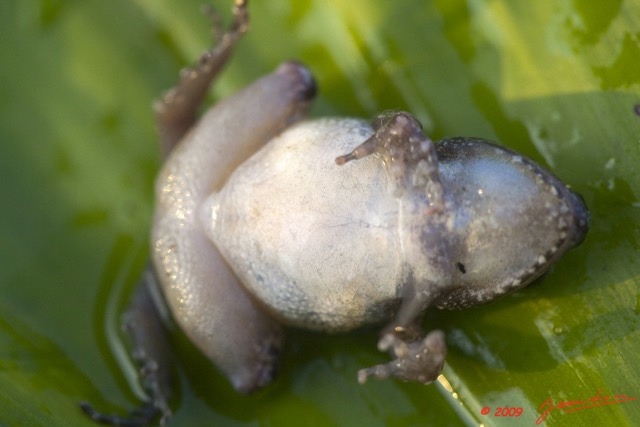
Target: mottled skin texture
263,219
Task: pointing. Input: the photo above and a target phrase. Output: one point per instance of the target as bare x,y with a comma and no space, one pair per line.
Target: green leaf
557,81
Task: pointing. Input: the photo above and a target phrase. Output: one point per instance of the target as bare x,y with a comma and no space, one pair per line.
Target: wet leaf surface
557,81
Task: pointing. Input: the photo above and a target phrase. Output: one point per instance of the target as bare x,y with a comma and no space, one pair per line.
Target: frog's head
512,219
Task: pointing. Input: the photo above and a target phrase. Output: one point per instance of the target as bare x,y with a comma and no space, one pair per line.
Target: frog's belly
317,243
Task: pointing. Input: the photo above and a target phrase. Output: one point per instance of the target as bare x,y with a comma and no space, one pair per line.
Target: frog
266,219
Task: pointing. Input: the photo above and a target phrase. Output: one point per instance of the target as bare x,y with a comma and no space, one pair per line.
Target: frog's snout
582,218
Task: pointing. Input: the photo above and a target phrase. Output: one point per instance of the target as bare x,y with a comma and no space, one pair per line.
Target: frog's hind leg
151,353
176,111
206,299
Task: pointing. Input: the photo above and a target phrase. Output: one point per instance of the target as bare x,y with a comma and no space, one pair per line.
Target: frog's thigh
204,296
216,313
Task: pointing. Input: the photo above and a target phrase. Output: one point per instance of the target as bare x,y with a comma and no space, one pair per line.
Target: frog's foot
176,111
151,353
139,417
420,360
156,406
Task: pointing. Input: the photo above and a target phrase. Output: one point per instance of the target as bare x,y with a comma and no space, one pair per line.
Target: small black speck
461,268
636,109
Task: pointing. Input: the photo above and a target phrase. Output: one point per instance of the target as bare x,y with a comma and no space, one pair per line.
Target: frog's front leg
424,227
421,360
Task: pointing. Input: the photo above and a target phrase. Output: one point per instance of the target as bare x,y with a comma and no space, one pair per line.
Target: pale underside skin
329,224
316,242
324,245
320,244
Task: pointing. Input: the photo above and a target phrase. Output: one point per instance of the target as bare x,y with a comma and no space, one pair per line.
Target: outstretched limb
425,226
152,355
176,110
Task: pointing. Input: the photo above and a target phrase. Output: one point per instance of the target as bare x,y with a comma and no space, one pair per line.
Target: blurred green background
558,81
